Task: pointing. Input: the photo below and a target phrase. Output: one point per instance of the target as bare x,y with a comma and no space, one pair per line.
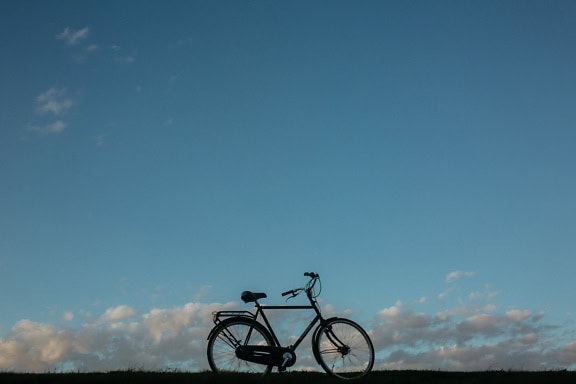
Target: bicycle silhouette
240,343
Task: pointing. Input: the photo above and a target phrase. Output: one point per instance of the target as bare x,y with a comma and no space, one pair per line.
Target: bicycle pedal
287,357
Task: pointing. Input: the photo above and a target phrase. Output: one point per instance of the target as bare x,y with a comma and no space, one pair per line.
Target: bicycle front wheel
344,349
231,334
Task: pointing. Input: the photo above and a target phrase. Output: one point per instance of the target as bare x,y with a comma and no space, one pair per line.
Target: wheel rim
345,350
222,348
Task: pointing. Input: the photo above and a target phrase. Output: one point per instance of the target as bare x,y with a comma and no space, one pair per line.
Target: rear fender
225,322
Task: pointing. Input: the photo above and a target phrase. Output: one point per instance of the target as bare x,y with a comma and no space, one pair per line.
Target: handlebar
291,292
294,292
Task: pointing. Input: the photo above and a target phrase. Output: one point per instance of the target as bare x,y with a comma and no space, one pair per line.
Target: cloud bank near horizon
118,339
469,336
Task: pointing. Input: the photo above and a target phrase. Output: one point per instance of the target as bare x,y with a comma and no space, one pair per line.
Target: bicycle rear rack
217,315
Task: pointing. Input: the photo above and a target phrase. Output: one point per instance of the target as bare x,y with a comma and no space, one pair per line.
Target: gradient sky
157,158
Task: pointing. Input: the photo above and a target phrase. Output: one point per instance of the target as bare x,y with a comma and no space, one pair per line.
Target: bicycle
240,343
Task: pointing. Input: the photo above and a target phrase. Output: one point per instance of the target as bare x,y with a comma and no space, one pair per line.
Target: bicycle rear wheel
230,334
344,349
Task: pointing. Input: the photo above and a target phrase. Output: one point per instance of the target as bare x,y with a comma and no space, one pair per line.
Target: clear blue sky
156,159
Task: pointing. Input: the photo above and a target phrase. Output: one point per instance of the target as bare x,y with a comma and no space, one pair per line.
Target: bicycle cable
311,285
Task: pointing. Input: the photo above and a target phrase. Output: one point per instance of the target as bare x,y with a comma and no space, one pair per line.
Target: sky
156,160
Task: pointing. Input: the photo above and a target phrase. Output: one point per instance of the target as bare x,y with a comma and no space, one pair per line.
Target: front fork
340,346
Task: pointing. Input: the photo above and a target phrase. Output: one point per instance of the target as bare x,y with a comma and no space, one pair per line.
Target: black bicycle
240,343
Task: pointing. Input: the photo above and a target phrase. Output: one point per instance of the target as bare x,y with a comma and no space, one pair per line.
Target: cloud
81,49
470,335
117,339
73,37
125,59
54,101
34,346
421,300
118,313
57,126
92,48
392,311
518,315
68,316
457,275
99,140
565,355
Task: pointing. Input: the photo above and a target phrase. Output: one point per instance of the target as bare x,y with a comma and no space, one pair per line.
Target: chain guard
267,355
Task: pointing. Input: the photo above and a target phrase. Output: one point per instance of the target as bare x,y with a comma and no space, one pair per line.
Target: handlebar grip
288,292
311,274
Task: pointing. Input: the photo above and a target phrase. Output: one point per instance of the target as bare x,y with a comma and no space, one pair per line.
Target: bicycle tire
224,339
343,349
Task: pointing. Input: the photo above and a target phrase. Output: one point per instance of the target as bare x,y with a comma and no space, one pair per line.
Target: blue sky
156,160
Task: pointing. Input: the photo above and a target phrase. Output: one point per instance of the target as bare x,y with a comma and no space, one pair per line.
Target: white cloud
456,275
54,101
392,311
57,126
449,341
73,37
34,346
68,316
471,335
518,315
443,295
479,324
421,300
154,340
499,355
92,48
490,308
168,322
118,313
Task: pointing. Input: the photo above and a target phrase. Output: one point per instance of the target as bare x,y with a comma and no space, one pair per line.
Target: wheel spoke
236,332
344,349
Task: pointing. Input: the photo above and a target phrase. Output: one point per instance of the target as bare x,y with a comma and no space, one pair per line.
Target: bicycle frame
260,312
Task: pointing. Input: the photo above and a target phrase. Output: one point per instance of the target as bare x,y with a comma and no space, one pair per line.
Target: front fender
315,336
320,325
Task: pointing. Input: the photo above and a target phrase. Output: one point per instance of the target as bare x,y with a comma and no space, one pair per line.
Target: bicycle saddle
248,296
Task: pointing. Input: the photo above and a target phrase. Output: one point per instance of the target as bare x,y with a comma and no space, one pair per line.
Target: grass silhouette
377,377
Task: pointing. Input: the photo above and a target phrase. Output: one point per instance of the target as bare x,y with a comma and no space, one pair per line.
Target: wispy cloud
57,126
82,47
118,313
92,48
54,101
457,275
124,59
72,37
68,316
99,140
